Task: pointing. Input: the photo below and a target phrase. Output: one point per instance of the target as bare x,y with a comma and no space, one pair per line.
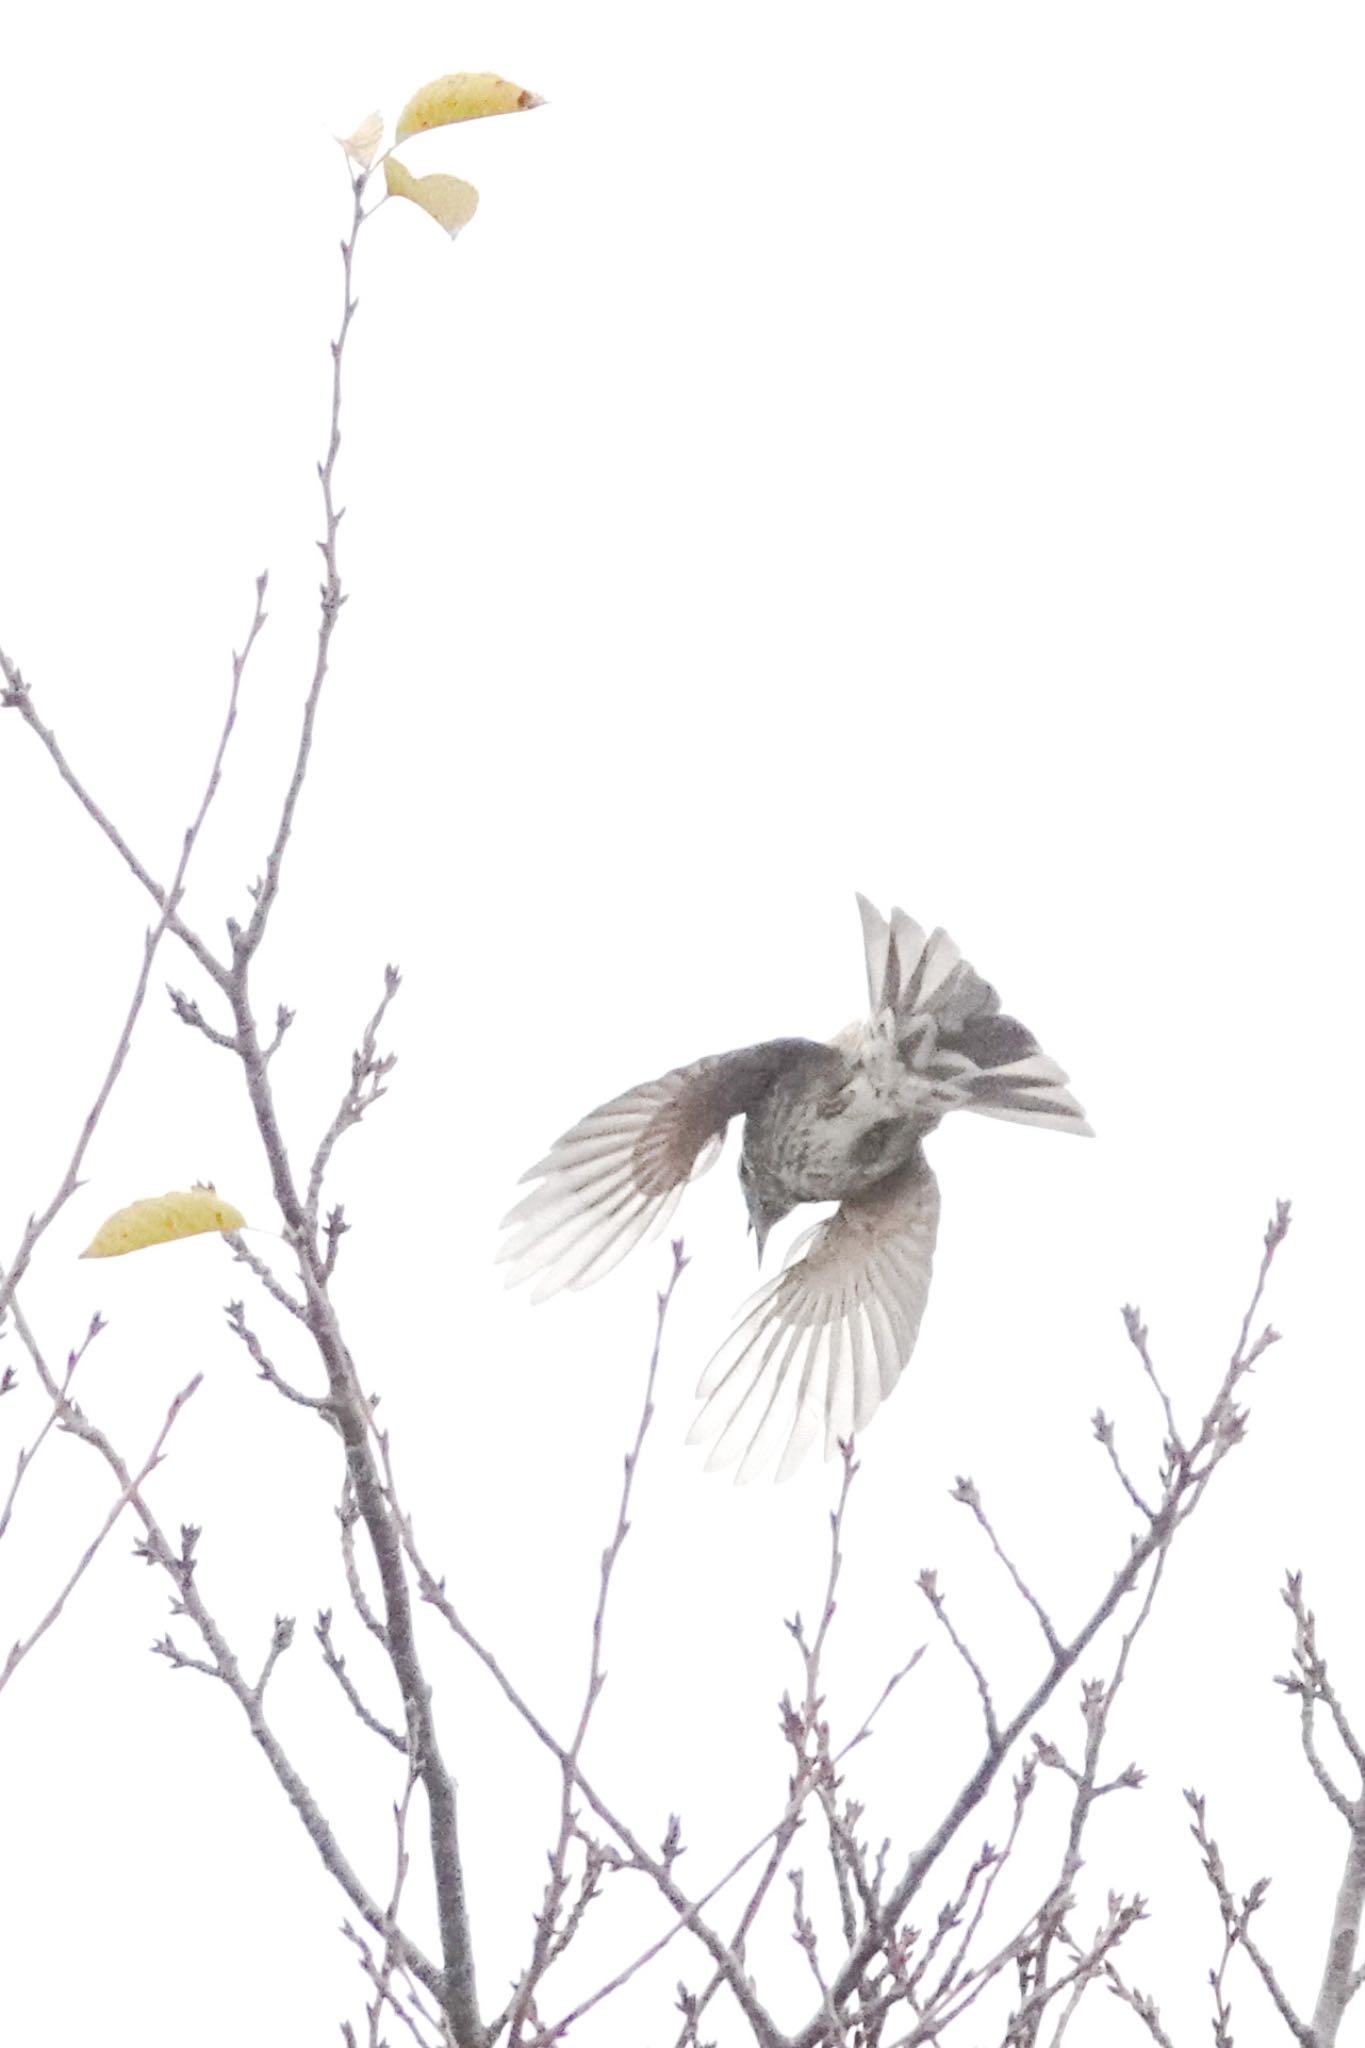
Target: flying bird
822,1344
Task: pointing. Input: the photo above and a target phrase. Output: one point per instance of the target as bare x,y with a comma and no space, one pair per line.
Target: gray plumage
822,1344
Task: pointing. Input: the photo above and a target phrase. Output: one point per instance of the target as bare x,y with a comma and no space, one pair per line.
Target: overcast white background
907,449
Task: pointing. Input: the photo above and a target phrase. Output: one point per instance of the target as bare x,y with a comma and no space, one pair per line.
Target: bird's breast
848,1138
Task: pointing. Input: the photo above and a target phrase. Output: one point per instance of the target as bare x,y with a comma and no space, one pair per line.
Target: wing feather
616,1176
818,1349
951,1033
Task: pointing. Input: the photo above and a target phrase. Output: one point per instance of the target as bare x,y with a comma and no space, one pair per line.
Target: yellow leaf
361,146
160,1219
462,96
448,200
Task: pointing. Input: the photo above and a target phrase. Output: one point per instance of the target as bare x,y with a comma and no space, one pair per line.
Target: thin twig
336,1664
384,1979
806,1779
659,1869
1097,1701
1140,2003
965,1492
547,1920
245,943
453,1982
56,1408
1341,1977
928,1585
179,1567
1137,1337
1191,1471
17,696
189,1013
1104,1433
130,1487
281,1637
237,1323
368,1070
271,1282
348,1514
1313,1684
1236,1925
989,1865
864,1728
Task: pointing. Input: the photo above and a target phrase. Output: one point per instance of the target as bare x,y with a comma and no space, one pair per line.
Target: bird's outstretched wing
950,1032
819,1348
617,1175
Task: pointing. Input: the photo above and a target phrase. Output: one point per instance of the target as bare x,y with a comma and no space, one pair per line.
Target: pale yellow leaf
160,1219
448,200
363,144
462,96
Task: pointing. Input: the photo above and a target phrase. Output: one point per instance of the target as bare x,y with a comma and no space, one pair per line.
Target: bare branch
334,1229
808,1731
282,1635
20,1650
272,1284
284,1017
245,943
348,1514
237,1323
1236,1924
547,1920
803,1933
1341,1978
659,1868
864,1728
347,1406
1311,1685
1188,1478
928,1585
878,1944
814,1772
1140,2003
1097,1702
965,1492
368,1071
56,1409
1104,1433
1137,1337
16,696
423,2027
179,1566
988,1866
189,1013
225,1668
336,1664
383,1979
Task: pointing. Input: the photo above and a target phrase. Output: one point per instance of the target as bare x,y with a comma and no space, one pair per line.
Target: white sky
899,448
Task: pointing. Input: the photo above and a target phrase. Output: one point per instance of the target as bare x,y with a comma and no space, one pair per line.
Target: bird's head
763,1198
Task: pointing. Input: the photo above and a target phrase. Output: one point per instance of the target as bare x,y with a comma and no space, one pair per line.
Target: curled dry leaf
450,201
363,144
160,1219
462,96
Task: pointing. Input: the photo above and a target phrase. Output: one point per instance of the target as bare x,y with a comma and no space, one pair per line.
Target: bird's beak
760,1231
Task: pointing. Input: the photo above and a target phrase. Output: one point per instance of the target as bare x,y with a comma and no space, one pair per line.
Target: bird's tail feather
949,1026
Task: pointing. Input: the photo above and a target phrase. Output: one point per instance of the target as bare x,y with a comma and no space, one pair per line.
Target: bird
822,1344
